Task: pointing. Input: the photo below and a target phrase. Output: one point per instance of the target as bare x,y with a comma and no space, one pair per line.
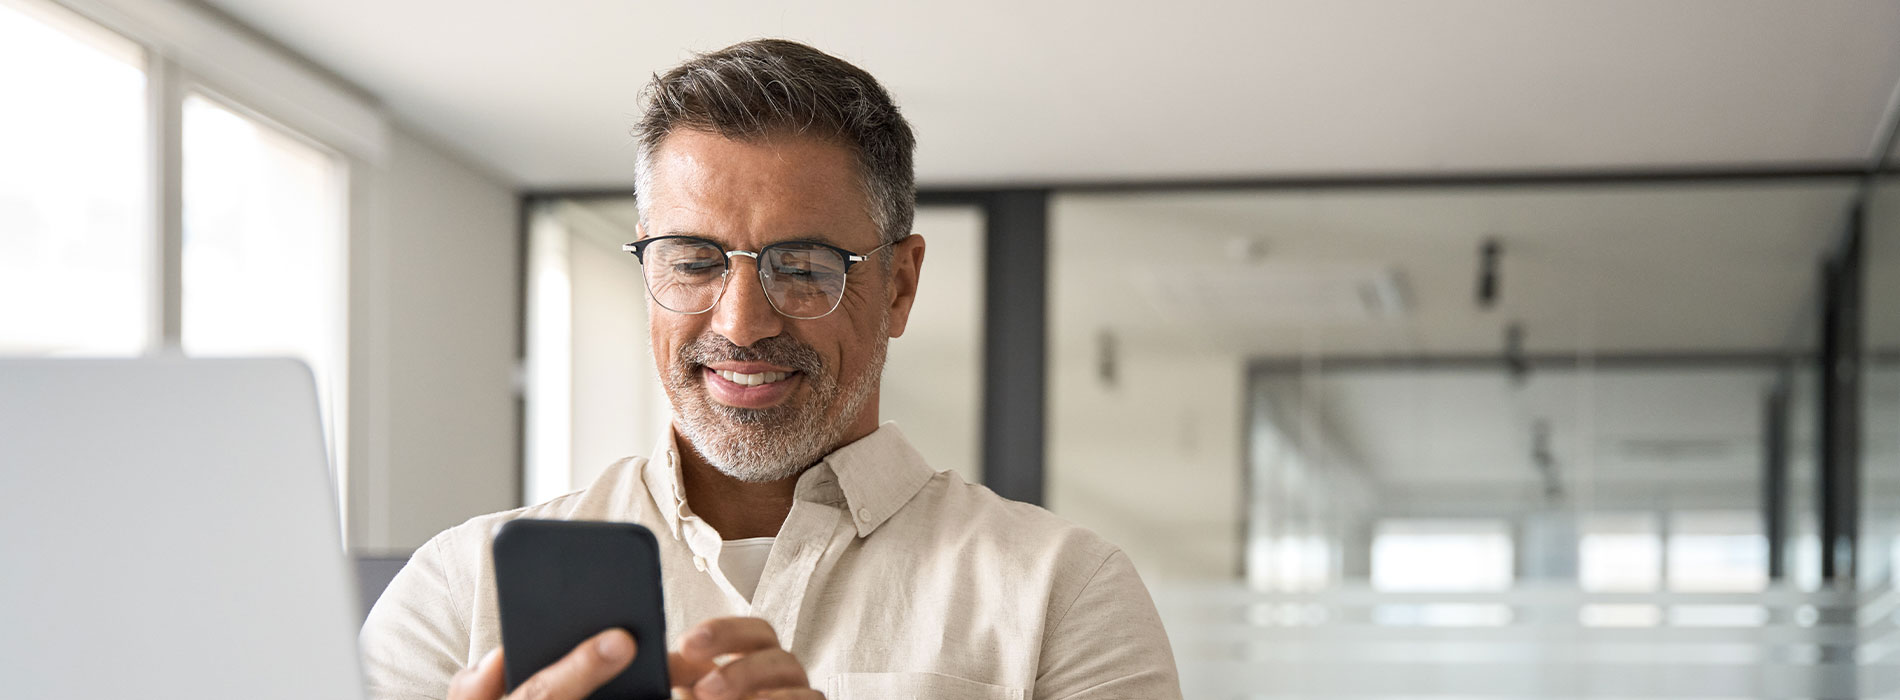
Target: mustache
779,350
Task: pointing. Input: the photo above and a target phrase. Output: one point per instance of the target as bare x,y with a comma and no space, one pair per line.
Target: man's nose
743,314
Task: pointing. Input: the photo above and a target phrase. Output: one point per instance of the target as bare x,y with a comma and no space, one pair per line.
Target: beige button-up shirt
887,580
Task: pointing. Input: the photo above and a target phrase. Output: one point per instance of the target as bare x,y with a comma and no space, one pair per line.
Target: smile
752,379
756,387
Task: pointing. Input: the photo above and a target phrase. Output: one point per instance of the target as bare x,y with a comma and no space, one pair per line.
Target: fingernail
615,646
488,659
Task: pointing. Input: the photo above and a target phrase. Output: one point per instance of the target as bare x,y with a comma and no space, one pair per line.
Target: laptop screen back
169,530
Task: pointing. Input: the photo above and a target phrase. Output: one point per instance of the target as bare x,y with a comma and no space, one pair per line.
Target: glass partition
1493,317
263,255
1401,441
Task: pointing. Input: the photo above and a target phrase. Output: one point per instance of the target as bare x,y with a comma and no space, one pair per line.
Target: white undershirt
743,561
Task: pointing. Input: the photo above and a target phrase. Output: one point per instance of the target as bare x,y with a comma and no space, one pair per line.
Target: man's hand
574,677
754,665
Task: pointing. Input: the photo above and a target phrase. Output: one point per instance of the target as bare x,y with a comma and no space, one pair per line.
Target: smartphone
560,582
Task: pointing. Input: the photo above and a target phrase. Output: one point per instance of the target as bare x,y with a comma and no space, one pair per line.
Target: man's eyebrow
813,238
682,232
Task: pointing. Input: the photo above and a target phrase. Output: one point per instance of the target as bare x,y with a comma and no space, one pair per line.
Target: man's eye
809,275
694,267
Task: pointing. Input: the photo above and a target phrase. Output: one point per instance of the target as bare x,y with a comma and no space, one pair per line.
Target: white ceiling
1006,91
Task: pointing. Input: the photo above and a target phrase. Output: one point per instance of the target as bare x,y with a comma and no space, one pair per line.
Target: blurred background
1441,349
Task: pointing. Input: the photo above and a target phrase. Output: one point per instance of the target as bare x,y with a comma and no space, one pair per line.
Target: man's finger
727,635
684,672
751,673
585,669
483,681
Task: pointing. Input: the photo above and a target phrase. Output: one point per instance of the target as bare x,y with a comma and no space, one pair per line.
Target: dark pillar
1774,479
1839,446
1015,342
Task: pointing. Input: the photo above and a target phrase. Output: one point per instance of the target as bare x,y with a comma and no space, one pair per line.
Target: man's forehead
703,184
693,149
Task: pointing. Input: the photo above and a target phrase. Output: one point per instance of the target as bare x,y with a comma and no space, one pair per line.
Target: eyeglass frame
638,249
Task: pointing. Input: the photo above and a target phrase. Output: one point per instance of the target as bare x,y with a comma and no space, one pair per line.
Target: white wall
933,375
433,324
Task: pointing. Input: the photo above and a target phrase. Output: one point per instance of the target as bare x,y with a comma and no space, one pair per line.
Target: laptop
169,529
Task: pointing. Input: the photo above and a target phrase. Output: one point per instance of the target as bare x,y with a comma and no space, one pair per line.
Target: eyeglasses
802,279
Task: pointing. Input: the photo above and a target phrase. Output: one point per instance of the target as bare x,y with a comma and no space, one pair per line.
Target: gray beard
759,445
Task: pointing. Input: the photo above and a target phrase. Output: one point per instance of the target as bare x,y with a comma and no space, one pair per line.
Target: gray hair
766,87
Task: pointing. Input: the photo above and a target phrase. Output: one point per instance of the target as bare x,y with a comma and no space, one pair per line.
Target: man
810,550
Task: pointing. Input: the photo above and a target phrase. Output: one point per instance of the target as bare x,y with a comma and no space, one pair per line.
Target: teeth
752,379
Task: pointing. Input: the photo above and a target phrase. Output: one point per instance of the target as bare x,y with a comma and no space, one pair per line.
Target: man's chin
751,445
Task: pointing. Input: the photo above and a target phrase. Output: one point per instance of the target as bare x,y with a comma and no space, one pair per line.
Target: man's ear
907,266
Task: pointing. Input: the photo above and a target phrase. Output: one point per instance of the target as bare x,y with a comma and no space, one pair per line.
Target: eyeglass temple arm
856,258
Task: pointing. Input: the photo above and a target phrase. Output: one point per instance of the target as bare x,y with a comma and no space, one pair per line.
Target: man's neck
736,509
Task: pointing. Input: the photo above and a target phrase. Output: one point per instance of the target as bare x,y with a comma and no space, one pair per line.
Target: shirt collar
877,474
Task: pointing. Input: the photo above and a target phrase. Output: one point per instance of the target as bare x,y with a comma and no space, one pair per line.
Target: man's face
823,372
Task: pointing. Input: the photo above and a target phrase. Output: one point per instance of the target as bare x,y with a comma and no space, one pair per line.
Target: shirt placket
808,531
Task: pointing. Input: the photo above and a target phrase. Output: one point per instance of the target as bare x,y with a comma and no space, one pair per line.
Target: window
1704,551
259,253
75,240
1717,551
1441,555
1620,552
263,247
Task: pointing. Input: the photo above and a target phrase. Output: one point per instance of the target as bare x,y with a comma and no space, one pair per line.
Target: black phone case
561,582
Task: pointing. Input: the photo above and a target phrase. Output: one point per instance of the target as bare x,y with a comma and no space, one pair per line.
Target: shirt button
699,563
864,514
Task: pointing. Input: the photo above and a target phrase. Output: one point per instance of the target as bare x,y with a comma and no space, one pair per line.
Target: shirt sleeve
416,636
1109,643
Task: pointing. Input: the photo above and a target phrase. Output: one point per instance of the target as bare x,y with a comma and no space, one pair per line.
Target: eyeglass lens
801,280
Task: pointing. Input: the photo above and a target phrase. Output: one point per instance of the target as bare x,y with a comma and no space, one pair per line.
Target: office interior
1445,349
